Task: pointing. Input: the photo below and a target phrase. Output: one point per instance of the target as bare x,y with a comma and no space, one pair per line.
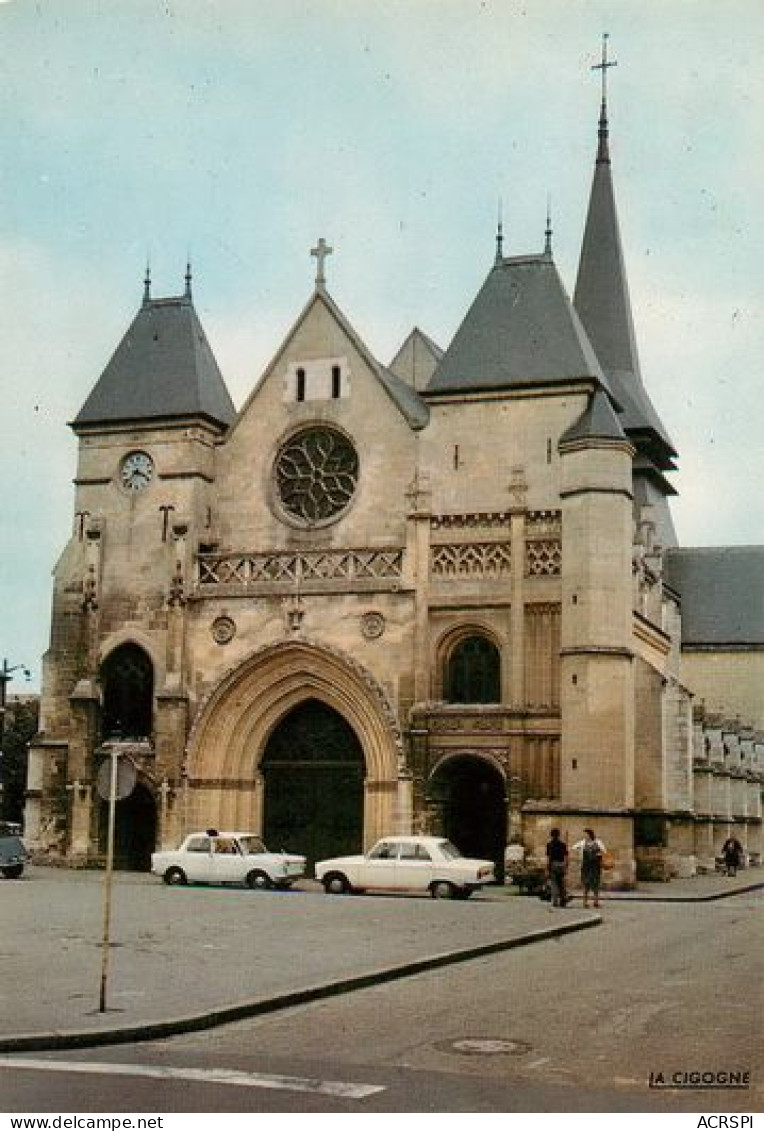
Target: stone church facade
431,596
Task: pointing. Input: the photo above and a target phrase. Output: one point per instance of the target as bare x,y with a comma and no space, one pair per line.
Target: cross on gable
320,252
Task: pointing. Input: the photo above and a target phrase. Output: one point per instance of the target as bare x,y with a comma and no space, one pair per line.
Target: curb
156,1030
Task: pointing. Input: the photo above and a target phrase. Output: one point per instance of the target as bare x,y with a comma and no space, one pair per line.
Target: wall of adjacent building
730,683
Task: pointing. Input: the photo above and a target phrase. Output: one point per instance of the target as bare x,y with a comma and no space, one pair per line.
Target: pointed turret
520,332
162,369
602,301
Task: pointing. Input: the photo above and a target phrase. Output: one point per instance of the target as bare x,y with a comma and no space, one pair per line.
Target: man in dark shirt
557,866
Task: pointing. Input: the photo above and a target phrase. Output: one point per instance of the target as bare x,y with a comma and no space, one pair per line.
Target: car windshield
449,850
250,845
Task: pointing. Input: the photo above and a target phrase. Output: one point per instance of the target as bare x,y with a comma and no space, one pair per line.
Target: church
438,595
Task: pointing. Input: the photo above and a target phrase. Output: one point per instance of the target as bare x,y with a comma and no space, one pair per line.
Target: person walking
732,851
557,867
592,850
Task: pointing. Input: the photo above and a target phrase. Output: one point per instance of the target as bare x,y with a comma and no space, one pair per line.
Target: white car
407,863
216,857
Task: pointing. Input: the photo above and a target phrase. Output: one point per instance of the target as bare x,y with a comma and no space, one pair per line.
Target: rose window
316,474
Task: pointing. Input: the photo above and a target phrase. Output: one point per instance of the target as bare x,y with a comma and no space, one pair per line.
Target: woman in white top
592,850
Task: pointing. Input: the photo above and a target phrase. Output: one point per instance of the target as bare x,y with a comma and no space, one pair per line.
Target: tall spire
602,300
187,292
147,284
601,296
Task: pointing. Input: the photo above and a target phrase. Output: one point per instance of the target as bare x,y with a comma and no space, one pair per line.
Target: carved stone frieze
291,569
543,524
471,559
465,724
482,520
543,557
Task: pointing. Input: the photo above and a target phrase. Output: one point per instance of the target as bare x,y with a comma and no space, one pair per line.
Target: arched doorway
469,797
135,829
313,768
230,739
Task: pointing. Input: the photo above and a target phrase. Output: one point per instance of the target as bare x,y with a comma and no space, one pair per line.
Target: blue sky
239,131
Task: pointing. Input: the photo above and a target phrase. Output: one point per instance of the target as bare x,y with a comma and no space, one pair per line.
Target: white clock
136,471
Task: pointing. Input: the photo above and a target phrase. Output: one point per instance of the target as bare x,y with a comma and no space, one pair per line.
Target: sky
236,132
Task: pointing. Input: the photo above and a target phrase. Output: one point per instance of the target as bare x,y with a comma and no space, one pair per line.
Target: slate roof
599,421
651,489
722,594
163,368
416,359
601,298
520,332
407,399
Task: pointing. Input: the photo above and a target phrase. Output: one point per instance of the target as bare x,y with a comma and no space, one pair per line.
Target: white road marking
200,1075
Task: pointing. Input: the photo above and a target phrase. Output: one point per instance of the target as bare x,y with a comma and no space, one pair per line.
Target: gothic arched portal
468,794
313,768
256,727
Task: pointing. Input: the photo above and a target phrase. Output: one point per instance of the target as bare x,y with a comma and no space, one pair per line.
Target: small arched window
473,672
127,678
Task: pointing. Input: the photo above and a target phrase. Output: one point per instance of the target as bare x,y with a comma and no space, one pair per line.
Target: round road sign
126,776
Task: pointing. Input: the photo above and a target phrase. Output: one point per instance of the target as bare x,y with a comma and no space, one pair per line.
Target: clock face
137,471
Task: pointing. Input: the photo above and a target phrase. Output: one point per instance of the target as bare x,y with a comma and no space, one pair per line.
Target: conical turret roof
599,421
520,332
163,368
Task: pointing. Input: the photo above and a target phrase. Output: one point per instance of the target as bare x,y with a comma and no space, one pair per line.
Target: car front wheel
174,876
258,881
336,884
441,889
13,871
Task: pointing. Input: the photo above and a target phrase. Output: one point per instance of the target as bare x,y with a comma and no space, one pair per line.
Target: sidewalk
190,958
696,889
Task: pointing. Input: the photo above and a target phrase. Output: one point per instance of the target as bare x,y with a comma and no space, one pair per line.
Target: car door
378,868
197,859
414,868
228,864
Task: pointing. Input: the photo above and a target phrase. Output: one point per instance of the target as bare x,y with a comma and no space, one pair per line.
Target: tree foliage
19,728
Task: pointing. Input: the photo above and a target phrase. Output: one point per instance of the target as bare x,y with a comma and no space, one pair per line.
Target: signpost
115,781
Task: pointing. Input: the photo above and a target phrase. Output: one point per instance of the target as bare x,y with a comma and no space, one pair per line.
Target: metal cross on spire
500,235
548,229
603,156
320,252
604,66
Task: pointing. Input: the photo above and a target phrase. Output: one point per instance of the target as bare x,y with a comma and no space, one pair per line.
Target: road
575,1024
